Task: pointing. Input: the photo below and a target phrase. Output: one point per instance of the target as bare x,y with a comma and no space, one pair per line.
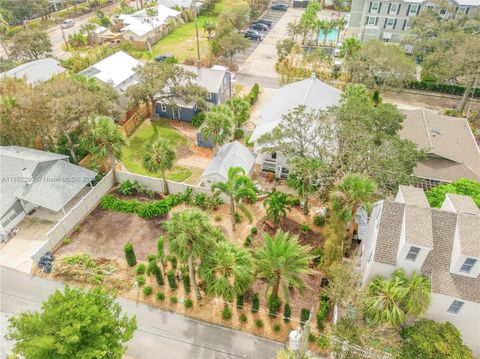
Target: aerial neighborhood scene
240,179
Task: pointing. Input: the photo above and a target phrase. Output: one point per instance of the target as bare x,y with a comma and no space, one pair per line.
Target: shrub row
443,88
253,94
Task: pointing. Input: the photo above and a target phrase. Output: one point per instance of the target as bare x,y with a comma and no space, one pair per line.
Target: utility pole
196,28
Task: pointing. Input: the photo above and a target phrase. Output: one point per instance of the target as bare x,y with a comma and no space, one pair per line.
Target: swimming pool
331,37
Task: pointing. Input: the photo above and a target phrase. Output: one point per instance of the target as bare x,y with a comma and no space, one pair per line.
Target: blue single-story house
216,81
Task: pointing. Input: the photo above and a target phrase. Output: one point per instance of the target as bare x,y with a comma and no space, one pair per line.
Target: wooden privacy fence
75,216
134,119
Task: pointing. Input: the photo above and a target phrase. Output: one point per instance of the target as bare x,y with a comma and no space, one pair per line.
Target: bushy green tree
130,254
463,186
73,324
30,44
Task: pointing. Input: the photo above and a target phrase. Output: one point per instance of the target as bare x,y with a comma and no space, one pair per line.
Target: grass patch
133,153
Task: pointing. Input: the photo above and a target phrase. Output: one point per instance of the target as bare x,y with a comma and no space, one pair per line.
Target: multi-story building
386,20
443,244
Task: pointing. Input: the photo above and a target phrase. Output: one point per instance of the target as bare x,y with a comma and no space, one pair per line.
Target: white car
67,23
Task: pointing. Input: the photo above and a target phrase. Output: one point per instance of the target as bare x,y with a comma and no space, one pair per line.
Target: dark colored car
253,35
269,23
164,57
279,7
259,27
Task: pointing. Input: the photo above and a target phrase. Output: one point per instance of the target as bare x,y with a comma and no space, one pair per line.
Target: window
163,107
462,10
413,9
413,253
375,7
389,23
468,265
442,12
394,8
372,20
209,96
455,307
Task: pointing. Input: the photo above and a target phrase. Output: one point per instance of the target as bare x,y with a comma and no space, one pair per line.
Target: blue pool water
331,36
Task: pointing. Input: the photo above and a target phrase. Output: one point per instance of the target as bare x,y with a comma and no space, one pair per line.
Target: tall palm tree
238,186
384,299
209,27
349,48
240,109
329,25
340,24
353,191
277,204
218,126
160,156
418,293
189,237
227,271
282,261
321,26
104,139
77,40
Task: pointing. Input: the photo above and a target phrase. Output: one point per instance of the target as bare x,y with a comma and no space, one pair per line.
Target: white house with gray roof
312,93
443,244
233,154
32,179
35,72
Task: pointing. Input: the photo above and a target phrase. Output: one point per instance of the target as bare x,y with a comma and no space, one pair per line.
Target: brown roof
418,226
414,196
463,204
449,138
442,225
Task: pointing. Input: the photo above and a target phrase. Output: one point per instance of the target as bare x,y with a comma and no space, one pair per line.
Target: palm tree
104,140
349,48
282,262
353,191
240,109
218,126
340,24
189,237
238,186
277,204
160,156
293,30
321,26
227,271
329,25
76,40
384,301
418,293
209,27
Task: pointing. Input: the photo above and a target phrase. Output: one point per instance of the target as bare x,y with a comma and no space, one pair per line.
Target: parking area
269,15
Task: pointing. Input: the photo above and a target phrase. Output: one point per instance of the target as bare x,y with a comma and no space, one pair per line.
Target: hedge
463,186
253,94
443,88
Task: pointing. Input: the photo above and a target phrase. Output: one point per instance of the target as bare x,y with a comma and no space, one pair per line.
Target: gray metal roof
233,154
312,93
208,78
36,71
39,177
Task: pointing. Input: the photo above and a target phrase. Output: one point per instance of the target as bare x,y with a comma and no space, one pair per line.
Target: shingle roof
389,233
36,71
414,196
469,233
418,226
114,70
233,154
211,79
311,92
463,204
139,24
42,178
451,147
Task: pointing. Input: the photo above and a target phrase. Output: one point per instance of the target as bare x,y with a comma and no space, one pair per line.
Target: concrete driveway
260,65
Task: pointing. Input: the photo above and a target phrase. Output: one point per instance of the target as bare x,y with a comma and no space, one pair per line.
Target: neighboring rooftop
233,154
211,79
311,92
182,3
452,152
139,24
43,178
117,70
36,71
463,204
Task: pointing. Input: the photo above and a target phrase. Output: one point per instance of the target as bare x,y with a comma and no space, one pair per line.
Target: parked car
259,27
67,23
164,57
269,23
253,35
279,7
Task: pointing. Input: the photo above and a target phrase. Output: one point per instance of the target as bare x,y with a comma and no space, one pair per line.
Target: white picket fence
75,215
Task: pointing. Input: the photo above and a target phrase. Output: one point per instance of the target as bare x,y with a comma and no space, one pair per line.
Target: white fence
75,215
156,184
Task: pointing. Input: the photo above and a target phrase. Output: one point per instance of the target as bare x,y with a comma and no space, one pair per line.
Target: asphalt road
160,334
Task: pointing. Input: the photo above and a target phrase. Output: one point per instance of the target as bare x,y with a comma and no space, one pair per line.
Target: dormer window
455,307
412,253
468,265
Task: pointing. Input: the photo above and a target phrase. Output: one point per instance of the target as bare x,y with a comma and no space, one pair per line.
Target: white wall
467,320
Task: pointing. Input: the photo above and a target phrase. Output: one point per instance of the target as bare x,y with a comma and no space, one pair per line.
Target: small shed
233,154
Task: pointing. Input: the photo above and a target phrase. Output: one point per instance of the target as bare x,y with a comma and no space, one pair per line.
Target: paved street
160,334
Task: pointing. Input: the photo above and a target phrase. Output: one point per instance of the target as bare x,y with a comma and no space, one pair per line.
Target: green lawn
133,153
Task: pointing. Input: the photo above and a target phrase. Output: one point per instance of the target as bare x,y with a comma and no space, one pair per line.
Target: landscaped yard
133,153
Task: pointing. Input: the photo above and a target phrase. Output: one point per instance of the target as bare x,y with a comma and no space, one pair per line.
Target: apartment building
386,20
443,244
